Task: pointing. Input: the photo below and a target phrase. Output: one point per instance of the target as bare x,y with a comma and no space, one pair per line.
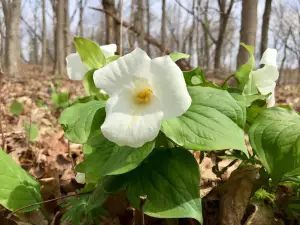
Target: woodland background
41,32
37,35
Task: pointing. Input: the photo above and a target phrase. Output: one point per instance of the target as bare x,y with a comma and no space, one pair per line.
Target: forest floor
51,159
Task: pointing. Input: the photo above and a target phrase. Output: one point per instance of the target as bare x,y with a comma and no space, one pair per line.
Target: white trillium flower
142,93
75,67
80,178
265,78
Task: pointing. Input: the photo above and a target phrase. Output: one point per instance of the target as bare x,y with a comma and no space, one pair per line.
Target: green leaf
214,121
243,73
61,100
194,77
175,56
246,100
112,58
16,108
255,108
274,136
31,130
90,53
107,158
18,188
89,85
170,179
82,119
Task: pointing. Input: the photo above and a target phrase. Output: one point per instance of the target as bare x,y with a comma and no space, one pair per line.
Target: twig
142,204
51,200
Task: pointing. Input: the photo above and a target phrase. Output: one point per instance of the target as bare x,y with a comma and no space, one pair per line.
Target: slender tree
44,38
163,23
80,22
11,11
109,6
67,28
59,39
248,28
265,26
140,23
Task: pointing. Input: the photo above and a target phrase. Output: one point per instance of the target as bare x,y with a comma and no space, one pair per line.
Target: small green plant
31,131
59,99
16,108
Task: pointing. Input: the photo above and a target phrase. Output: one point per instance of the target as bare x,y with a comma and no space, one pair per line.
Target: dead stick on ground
51,200
142,204
2,132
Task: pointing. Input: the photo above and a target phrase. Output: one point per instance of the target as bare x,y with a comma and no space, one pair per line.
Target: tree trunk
163,24
80,22
248,29
44,39
109,6
140,23
224,16
66,28
59,39
265,27
148,25
11,11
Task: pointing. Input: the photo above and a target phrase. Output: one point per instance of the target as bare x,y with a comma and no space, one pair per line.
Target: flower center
143,97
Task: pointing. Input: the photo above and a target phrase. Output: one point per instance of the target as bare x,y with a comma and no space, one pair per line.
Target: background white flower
75,67
80,178
142,93
264,79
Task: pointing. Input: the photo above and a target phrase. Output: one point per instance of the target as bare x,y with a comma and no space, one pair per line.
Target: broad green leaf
274,136
175,56
170,179
255,108
112,58
17,188
90,53
82,119
194,77
107,158
243,73
214,121
16,108
31,130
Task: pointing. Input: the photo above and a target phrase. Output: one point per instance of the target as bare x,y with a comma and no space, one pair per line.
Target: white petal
122,72
265,79
169,86
269,57
109,50
127,124
271,100
103,92
75,68
80,178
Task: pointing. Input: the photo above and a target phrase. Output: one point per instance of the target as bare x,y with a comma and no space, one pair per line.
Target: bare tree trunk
80,22
11,11
109,6
60,54
265,27
224,16
248,29
67,28
148,25
140,23
44,40
163,24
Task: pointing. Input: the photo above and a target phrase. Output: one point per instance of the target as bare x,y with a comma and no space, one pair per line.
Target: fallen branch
183,64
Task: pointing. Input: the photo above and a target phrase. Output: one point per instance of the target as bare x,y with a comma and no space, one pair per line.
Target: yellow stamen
144,96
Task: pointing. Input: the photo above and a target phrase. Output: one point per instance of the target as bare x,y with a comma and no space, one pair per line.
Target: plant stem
227,79
142,204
